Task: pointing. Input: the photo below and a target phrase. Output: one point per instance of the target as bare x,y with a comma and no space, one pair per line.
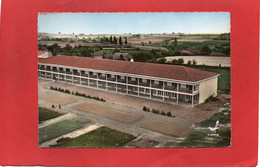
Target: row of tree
114,40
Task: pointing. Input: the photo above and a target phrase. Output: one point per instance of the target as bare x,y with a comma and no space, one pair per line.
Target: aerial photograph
134,80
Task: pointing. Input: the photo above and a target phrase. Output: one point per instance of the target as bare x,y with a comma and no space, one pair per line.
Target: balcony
102,77
156,86
92,76
144,84
185,90
111,79
132,82
170,88
121,80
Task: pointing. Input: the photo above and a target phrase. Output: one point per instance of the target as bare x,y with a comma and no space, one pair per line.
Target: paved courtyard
122,113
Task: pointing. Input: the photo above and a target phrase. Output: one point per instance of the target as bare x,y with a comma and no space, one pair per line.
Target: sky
134,23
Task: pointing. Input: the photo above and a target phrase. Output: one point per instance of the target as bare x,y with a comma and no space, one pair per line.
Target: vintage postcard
134,80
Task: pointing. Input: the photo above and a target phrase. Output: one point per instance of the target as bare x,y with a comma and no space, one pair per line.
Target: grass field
46,114
221,117
100,138
56,129
223,79
200,138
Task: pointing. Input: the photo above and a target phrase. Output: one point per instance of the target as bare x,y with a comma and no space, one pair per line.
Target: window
174,95
174,85
135,89
147,91
160,93
189,98
141,89
167,94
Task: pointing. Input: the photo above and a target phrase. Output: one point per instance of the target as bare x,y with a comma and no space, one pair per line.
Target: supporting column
80,77
116,83
177,93
51,72
97,80
72,76
127,84
45,72
150,88
88,78
138,86
163,90
106,81
192,96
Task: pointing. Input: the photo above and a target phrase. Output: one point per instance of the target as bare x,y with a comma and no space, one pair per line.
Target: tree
205,49
180,61
111,40
194,62
189,63
120,40
125,40
175,41
115,40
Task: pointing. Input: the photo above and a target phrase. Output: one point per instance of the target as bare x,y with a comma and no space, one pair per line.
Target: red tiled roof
41,52
148,69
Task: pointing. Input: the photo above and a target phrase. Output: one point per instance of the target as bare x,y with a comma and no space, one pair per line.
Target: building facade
169,83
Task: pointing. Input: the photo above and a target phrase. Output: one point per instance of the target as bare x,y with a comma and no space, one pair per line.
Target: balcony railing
121,80
170,88
111,79
144,84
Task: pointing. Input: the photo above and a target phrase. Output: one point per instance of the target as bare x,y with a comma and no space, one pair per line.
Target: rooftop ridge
188,73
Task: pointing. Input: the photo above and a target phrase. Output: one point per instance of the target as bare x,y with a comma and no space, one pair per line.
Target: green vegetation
221,117
56,129
221,46
200,138
223,79
155,111
46,114
77,94
100,138
199,34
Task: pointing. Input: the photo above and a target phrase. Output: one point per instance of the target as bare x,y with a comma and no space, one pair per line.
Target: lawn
46,114
56,129
211,121
223,79
100,138
200,138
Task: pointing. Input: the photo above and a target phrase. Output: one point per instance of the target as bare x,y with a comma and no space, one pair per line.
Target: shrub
189,63
194,62
144,108
169,114
148,109
163,113
155,111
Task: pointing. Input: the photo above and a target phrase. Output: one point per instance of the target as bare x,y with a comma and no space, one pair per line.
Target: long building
170,83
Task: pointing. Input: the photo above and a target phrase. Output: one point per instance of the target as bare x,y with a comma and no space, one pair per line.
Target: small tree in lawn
111,40
120,40
115,40
194,62
189,63
125,40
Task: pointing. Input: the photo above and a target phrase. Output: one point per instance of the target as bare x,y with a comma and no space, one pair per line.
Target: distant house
115,56
98,55
43,54
122,56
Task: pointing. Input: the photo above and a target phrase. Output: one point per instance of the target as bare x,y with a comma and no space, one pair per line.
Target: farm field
56,129
103,137
204,60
